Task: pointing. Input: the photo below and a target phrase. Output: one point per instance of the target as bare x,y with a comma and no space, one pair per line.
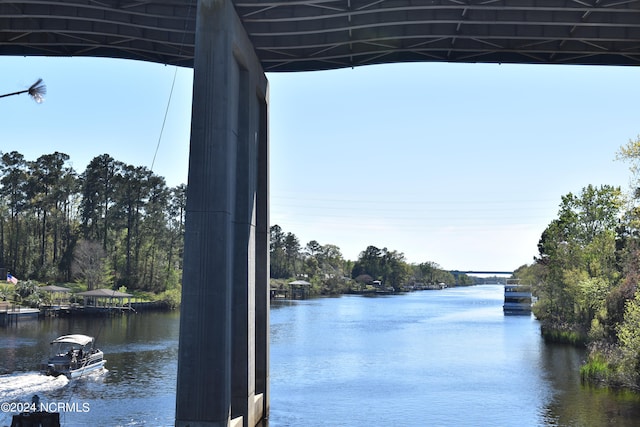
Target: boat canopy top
74,339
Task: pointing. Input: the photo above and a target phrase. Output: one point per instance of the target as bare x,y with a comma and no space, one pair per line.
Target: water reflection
578,404
428,358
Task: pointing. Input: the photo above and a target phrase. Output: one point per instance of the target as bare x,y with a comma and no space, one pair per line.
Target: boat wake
15,387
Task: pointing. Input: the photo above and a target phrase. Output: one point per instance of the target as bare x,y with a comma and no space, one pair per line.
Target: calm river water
430,358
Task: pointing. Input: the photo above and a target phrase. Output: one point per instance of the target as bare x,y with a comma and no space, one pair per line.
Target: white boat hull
86,370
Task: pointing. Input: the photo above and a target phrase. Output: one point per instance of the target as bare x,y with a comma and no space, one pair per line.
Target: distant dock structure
299,289
95,302
11,314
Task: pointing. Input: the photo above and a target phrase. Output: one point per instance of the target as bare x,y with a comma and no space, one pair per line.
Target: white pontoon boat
74,356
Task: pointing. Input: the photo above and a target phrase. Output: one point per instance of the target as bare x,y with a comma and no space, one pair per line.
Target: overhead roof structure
104,293
300,35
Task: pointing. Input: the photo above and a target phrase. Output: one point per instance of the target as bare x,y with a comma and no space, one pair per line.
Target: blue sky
460,164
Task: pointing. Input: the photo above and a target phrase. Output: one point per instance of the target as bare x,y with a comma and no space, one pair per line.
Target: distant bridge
456,273
501,273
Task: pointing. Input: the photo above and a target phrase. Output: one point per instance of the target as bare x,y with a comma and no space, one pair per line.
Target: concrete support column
263,297
218,356
250,340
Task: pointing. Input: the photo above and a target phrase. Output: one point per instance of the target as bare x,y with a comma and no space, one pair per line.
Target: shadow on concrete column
226,254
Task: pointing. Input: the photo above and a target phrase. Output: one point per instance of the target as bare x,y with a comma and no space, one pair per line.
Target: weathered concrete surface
226,254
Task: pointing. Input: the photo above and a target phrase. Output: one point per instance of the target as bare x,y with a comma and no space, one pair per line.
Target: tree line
112,225
330,273
586,277
119,225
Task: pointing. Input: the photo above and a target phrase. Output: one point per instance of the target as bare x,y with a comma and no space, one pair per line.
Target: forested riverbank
586,274
329,273
113,225
120,226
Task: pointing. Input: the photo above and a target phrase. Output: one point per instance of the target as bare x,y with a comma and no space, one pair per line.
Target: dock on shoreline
11,314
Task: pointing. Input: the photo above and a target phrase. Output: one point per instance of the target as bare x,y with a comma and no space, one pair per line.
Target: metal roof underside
299,35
